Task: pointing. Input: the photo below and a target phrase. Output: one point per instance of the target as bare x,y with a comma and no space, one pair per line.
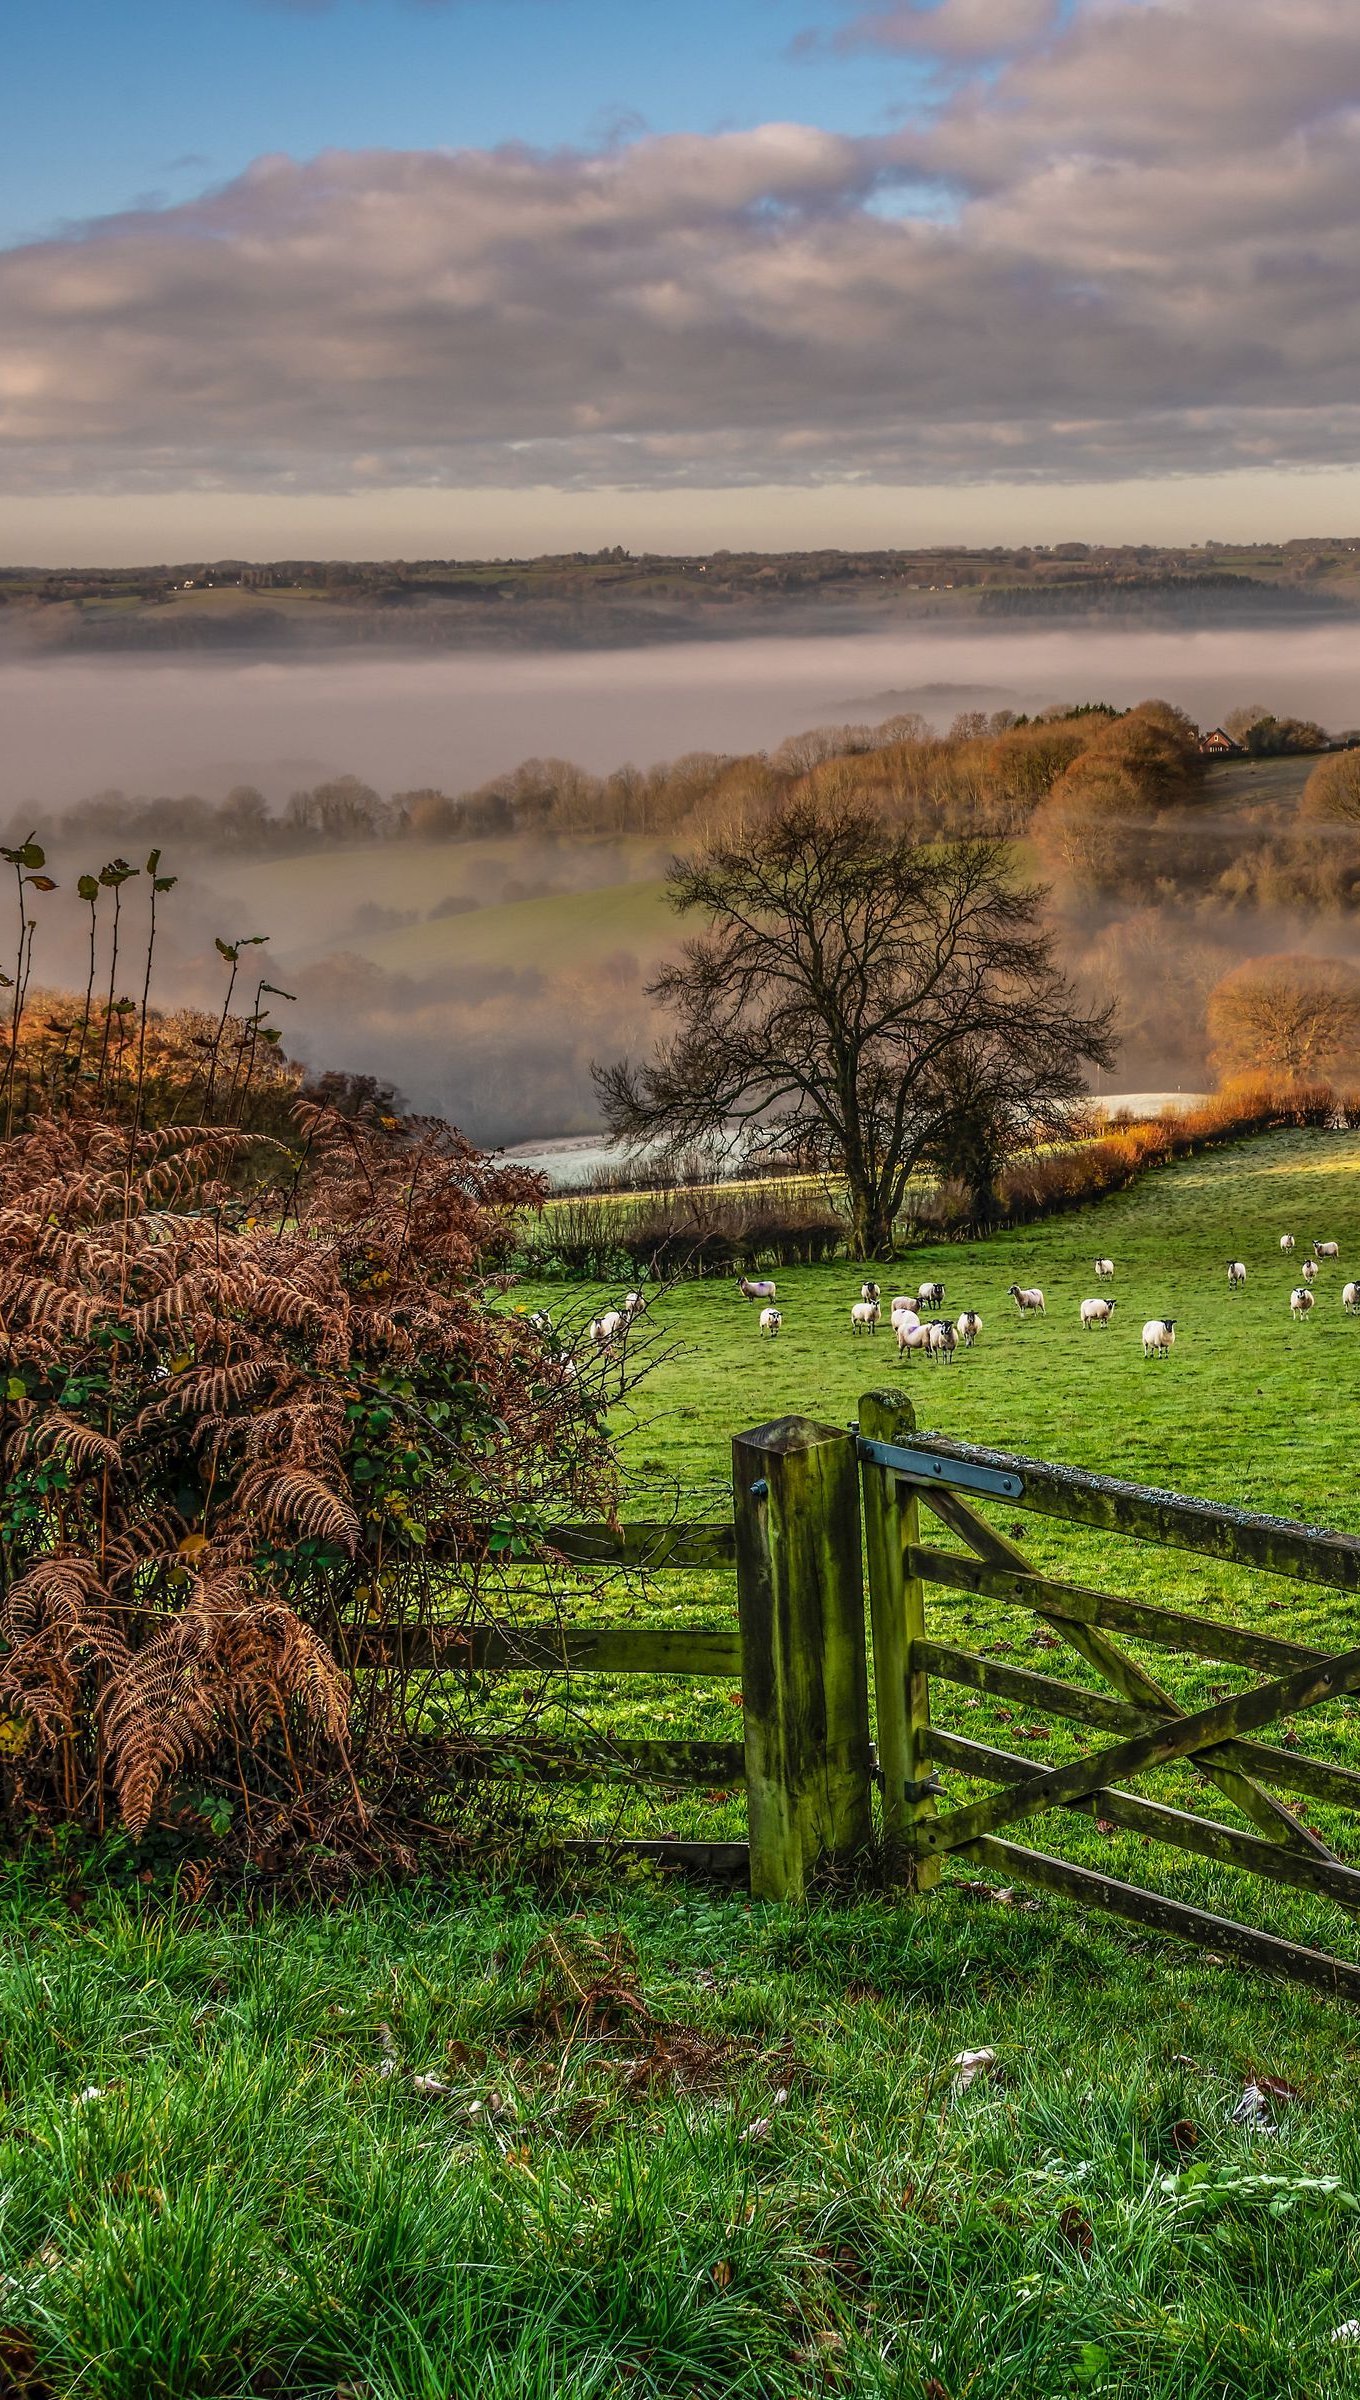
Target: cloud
1130,250
951,29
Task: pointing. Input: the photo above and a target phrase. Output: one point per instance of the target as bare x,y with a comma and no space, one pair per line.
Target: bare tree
848,977
1288,1015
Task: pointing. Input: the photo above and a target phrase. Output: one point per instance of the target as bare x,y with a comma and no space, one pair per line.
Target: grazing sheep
1097,1312
1309,1270
634,1304
1301,1300
770,1321
864,1317
913,1336
869,1291
903,1306
755,1291
968,1328
1028,1299
931,1295
1350,1297
1326,1249
1159,1337
1105,1270
1287,1244
942,1341
1237,1274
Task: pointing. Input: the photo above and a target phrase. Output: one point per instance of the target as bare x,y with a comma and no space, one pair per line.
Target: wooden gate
1137,1724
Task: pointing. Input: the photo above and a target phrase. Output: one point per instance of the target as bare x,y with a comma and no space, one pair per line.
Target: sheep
1104,1270
1237,1274
1310,1270
1350,1297
913,1336
903,1306
1097,1312
942,1341
605,1329
968,1327
635,1304
1326,1249
1028,1299
1287,1244
755,1290
770,1321
1301,1300
541,1320
1159,1337
864,1317
931,1295
869,1291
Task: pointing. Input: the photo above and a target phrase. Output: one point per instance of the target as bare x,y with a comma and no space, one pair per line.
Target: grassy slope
253,2207
558,932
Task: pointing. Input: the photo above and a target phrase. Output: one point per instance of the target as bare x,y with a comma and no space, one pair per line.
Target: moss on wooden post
892,1519
805,1685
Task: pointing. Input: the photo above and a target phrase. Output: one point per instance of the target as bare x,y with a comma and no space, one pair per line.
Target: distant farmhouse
1219,744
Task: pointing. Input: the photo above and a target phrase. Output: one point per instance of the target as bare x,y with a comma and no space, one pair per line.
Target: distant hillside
612,599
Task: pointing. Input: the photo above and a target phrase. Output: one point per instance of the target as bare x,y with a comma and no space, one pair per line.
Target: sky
438,277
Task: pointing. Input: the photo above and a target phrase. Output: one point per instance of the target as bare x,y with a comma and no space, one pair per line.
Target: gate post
892,1518
800,1597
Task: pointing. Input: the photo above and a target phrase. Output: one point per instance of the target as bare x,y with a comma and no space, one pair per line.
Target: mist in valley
482,976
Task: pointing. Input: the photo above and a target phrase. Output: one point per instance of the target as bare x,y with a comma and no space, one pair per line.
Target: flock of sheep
939,1338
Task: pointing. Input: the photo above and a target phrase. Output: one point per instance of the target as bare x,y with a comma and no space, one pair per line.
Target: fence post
805,1684
892,1518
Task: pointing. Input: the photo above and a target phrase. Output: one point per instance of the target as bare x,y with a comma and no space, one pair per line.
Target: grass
557,933
221,2177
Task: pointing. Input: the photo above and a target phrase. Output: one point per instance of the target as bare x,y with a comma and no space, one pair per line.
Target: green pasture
314,899
379,2150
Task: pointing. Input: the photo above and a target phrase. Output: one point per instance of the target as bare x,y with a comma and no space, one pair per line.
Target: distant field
310,903
1238,782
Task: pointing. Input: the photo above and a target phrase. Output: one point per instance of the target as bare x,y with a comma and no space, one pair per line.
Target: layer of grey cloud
950,29
1140,255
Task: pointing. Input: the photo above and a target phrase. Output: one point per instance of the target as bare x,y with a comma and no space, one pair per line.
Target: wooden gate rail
904,1469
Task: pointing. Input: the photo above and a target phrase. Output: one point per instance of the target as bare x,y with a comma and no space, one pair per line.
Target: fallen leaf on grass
1075,2230
722,2273
970,2064
1184,2135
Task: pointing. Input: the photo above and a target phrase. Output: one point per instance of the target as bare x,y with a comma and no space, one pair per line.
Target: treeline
990,770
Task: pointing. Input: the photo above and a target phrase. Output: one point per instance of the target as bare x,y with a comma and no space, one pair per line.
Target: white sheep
864,1317
749,1290
1104,1270
1237,1274
913,1336
1028,1299
869,1291
634,1304
1287,1244
942,1341
1350,1298
541,1320
968,1328
770,1321
1097,1312
1159,1337
931,1295
1309,1270
1326,1249
1301,1300
904,1305
606,1328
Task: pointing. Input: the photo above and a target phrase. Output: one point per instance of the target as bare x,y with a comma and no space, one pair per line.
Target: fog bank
72,727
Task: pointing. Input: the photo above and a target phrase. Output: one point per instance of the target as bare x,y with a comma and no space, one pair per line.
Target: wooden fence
833,1647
